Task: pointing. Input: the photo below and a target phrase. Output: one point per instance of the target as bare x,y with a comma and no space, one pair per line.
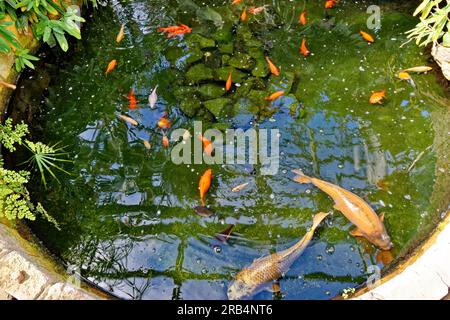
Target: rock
194,39
226,47
261,68
193,56
184,92
281,83
257,96
63,291
199,73
222,74
211,91
248,85
225,59
442,56
242,61
190,106
173,54
216,106
224,35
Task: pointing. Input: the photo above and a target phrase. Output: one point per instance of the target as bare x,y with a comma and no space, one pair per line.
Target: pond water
126,212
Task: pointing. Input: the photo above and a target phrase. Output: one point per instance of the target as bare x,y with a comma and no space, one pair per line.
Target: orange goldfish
229,82
208,146
302,19
111,66
366,36
164,123
132,98
244,15
204,184
303,49
173,31
275,95
236,2
257,10
377,97
360,213
165,141
121,34
330,4
272,67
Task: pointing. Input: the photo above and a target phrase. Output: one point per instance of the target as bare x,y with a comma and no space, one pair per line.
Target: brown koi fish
355,209
257,276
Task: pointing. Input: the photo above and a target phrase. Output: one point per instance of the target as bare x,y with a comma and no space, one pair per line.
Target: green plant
45,158
15,202
50,22
434,23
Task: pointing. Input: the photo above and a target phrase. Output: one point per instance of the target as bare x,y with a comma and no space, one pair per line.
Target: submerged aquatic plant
45,158
434,25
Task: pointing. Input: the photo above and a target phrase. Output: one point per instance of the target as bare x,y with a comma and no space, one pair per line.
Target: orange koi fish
275,96
132,98
377,97
164,123
244,15
330,4
111,66
303,49
302,19
204,184
229,82
273,69
368,224
366,36
208,146
165,141
121,34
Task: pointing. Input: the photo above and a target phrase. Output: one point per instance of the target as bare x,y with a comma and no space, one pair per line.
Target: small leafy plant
434,25
50,22
15,202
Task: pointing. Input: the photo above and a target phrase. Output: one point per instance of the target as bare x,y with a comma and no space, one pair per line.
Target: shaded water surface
126,212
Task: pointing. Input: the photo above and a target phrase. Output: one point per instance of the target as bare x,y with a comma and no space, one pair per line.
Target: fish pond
126,209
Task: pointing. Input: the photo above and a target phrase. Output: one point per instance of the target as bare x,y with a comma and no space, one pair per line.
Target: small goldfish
208,146
235,2
173,31
129,120
132,98
165,141
266,269
418,69
7,85
273,69
111,66
229,82
153,98
257,10
147,144
403,75
164,123
121,34
330,4
302,19
239,187
366,36
204,184
275,95
303,49
244,15
203,211
377,97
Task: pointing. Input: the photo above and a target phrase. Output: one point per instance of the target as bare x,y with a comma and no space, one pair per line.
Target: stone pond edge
28,271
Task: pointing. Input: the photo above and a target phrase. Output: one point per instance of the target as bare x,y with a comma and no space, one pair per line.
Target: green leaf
62,41
446,39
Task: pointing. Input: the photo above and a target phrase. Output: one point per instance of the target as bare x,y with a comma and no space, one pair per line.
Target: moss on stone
242,61
211,91
216,106
198,73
